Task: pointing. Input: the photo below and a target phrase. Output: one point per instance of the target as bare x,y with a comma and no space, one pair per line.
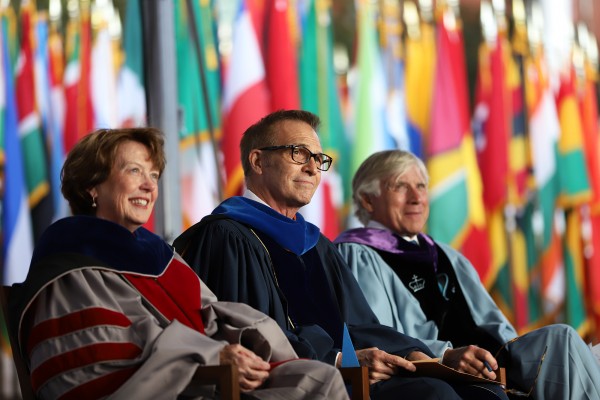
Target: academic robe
106,312
237,265
567,371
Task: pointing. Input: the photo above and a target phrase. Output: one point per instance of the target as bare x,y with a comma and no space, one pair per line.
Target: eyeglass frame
325,158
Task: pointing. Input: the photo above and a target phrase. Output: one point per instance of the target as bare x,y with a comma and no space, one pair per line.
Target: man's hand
253,371
381,364
471,359
417,355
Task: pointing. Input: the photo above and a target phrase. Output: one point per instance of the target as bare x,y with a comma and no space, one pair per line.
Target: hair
377,168
261,134
90,162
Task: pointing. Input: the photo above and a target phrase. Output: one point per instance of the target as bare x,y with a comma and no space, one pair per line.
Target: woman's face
127,197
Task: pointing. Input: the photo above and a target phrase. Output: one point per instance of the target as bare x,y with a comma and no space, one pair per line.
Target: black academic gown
234,264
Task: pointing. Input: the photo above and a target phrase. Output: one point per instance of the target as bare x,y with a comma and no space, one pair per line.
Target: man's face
403,205
286,185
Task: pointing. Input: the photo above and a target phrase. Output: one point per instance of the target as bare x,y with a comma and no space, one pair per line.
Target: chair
358,380
24,381
225,377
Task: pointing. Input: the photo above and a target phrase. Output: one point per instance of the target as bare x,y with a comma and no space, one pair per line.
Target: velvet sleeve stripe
81,357
73,322
100,387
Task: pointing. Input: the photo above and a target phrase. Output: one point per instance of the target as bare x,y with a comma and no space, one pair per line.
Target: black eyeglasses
302,155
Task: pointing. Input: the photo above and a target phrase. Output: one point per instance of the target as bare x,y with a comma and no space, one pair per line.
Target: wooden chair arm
358,379
224,376
501,376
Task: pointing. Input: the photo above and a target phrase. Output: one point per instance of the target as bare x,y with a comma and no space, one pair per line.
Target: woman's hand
382,365
471,359
253,370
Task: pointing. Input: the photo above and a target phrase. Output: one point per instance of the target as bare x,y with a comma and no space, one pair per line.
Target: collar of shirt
249,194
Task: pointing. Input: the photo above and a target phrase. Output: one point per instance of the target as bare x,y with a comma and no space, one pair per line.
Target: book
433,368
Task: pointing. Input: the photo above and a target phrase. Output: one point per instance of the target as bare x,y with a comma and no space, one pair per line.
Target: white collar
249,194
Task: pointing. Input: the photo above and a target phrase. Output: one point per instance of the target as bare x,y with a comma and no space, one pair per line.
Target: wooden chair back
358,380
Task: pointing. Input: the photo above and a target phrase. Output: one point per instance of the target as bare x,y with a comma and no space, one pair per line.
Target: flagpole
211,126
161,83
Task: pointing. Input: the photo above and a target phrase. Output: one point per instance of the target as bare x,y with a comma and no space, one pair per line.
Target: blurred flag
50,99
455,183
544,131
572,171
103,88
319,94
588,105
131,93
519,164
281,60
419,78
17,244
574,191
30,129
576,123
369,94
492,129
575,310
198,82
245,96
79,113
395,121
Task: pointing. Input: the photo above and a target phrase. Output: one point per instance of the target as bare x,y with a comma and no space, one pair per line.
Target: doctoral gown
234,253
551,361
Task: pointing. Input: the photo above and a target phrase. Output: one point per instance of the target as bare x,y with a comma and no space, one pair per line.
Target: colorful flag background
514,170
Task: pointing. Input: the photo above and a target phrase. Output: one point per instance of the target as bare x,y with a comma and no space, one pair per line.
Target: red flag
79,114
455,182
281,59
245,98
30,129
589,118
492,110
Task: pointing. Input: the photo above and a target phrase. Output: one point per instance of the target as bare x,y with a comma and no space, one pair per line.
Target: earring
93,202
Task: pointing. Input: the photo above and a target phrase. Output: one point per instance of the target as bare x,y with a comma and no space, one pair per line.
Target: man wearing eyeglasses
257,249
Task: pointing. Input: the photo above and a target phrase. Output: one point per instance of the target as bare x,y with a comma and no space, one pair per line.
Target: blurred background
500,98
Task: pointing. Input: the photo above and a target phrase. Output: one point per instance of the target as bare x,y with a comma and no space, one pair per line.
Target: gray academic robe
568,369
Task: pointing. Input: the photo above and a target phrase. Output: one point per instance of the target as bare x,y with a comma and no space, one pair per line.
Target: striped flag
245,97
103,80
395,121
281,59
492,129
588,106
575,311
572,171
319,94
131,94
369,133
79,113
455,183
51,103
198,84
30,129
17,244
544,131
419,78
519,163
